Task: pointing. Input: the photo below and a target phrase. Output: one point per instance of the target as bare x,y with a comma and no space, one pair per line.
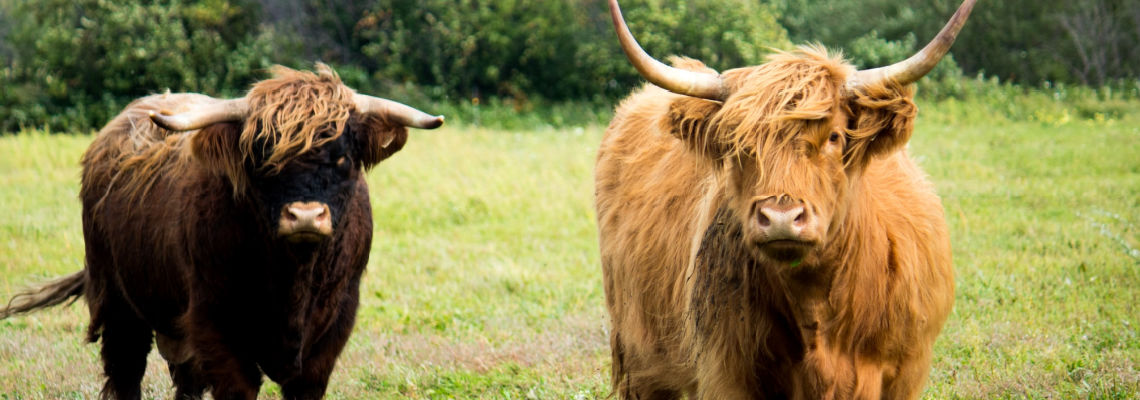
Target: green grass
484,279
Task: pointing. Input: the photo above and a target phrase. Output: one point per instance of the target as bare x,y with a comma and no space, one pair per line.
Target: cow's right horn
676,80
201,117
400,113
914,68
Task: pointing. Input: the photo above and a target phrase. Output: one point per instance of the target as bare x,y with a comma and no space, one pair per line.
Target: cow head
789,137
295,147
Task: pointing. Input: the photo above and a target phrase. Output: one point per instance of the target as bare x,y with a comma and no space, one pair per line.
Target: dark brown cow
233,232
764,233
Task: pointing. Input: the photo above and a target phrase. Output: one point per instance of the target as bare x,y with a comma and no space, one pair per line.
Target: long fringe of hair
294,112
291,113
789,94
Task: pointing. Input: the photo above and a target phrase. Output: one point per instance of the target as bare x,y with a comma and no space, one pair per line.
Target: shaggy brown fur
696,309
181,243
295,111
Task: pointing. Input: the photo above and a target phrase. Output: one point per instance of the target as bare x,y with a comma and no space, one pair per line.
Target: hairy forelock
295,111
772,102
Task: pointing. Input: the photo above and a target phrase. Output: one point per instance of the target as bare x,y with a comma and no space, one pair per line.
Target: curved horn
912,69
203,116
398,112
676,80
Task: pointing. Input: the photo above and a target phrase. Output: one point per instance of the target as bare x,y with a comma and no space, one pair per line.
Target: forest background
70,65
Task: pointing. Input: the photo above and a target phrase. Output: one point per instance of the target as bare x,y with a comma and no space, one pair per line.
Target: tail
66,289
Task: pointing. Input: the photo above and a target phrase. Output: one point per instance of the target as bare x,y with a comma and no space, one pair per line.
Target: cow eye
834,137
343,164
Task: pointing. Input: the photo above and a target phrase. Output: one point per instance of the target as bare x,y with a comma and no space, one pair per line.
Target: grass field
484,279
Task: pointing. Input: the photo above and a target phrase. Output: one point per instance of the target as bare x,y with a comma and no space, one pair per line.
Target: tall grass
484,279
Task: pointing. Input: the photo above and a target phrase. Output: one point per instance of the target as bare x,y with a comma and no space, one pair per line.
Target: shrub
555,49
76,63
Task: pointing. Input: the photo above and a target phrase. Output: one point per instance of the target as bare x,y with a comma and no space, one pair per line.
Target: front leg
911,376
720,380
230,376
232,379
320,357
230,372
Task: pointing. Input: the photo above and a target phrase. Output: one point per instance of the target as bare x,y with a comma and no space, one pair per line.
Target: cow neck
727,281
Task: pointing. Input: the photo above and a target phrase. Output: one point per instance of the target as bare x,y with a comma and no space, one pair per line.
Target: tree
556,49
77,62
1022,41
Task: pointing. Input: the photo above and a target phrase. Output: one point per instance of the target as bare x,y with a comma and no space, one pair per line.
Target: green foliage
76,63
870,50
1023,41
988,99
73,64
557,49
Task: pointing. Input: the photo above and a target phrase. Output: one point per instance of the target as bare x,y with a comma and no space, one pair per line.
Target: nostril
801,218
763,219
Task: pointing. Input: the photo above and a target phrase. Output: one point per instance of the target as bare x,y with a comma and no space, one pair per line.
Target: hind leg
125,337
126,343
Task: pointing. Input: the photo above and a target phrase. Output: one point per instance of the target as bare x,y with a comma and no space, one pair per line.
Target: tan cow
764,233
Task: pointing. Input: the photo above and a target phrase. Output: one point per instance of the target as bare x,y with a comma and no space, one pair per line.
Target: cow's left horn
201,117
676,80
912,69
400,113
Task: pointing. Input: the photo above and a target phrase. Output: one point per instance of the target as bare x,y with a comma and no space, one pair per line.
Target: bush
77,63
556,49
871,51
72,64
1029,42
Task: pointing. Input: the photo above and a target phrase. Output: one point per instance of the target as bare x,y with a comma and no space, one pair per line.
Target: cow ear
690,120
881,122
216,148
375,138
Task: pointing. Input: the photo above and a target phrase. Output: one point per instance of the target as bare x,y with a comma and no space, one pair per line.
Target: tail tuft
66,289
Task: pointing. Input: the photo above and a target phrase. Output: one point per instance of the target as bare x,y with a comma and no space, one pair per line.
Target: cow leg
719,382
229,375
317,368
233,380
908,383
188,382
642,393
645,384
636,378
126,343
312,382
221,363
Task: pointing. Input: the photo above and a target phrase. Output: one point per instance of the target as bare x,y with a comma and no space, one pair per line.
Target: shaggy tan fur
694,311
